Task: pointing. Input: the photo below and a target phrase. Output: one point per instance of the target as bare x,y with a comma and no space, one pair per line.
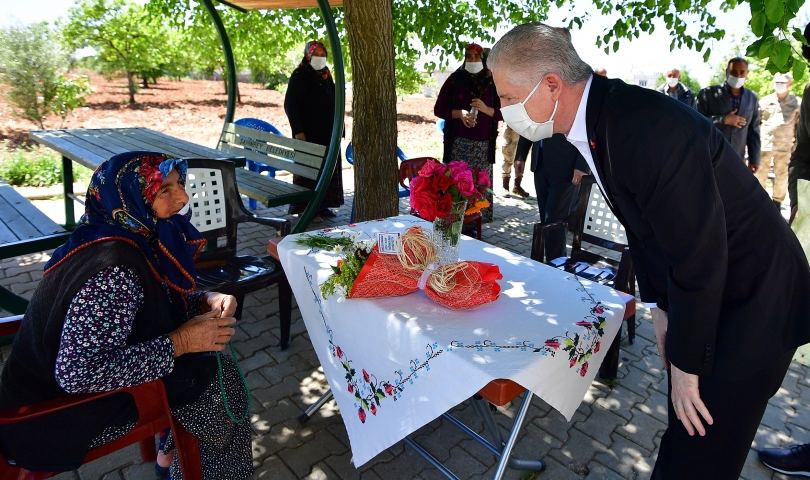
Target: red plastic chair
154,416
410,168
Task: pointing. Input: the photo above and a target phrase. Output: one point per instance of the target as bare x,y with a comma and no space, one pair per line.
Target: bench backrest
282,153
594,222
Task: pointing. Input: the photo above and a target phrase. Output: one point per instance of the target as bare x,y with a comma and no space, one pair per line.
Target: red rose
442,183
583,370
445,205
365,376
573,362
596,348
425,204
351,388
361,414
389,389
553,344
373,409
338,351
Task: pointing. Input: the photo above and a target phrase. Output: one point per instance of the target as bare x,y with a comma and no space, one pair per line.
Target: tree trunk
131,84
145,83
374,137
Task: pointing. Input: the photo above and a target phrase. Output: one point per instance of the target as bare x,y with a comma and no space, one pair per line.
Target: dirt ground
194,109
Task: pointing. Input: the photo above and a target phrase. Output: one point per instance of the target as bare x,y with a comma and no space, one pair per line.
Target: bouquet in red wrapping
439,186
366,273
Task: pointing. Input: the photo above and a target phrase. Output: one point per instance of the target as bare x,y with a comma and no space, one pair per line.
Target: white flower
338,248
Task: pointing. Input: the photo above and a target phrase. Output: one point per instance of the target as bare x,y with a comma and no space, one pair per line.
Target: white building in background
646,80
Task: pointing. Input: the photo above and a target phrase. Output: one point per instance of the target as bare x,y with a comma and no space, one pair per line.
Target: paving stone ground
615,433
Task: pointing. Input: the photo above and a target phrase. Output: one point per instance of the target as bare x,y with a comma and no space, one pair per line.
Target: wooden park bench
282,153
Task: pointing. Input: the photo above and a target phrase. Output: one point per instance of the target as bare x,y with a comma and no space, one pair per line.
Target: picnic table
91,147
24,229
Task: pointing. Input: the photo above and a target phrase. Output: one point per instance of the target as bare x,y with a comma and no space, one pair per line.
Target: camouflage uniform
777,130
509,150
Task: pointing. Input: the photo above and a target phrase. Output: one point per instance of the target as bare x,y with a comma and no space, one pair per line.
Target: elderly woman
469,104
116,307
310,108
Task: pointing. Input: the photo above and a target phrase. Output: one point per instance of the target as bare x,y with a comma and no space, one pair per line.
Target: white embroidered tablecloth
394,364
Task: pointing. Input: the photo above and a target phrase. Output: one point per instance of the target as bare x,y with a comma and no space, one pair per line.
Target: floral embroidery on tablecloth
580,345
368,390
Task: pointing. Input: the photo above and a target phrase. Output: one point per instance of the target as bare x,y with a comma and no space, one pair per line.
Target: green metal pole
337,125
230,63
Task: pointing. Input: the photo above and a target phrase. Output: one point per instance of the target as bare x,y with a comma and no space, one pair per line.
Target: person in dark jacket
310,108
117,307
677,90
469,104
558,170
734,110
726,277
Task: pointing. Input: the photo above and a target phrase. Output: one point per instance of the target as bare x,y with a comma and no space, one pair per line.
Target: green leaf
799,36
758,23
793,6
615,46
766,49
775,10
781,54
799,69
753,49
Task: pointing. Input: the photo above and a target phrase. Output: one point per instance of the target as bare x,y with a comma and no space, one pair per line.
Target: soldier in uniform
508,159
779,113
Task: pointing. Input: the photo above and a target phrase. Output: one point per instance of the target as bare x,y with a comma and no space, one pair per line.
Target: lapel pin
593,144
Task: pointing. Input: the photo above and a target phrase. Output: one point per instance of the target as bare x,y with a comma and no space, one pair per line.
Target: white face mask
186,208
735,82
780,87
672,82
474,67
518,119
318,63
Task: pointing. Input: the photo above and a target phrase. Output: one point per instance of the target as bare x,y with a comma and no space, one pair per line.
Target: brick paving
614,434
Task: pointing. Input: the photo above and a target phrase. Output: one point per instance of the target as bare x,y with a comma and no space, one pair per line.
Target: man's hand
301,136
793,211
753,167
687,403
578,174
660,321
735,120
215,300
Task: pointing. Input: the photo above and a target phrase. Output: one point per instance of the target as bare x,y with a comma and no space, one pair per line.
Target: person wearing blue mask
725,278
734,110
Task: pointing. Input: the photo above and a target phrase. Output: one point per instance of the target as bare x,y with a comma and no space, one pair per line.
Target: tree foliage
33,68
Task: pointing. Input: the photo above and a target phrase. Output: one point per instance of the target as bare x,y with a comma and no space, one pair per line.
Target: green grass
35,167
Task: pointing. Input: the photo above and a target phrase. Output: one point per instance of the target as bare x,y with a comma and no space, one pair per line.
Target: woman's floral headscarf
310,47
119,207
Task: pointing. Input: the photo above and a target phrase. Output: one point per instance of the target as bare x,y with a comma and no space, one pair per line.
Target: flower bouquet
443,194
364,272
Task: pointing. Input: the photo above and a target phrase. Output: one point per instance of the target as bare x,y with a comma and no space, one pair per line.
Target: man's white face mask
671,81
518,118
474,67
318,63
780,87
735,82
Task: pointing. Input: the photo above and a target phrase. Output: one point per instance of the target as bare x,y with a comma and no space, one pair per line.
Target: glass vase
446,233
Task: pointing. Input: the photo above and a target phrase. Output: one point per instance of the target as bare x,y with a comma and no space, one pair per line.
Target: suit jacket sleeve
670,177
800,159
704,107
753,141
293,103
522,150
582,165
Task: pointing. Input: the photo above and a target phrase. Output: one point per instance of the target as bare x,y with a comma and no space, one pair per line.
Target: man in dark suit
728,313
558,170
734,110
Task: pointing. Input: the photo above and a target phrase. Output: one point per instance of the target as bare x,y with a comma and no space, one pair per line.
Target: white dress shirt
578,137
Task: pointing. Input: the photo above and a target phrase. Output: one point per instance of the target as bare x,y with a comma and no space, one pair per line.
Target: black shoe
778,205
792,461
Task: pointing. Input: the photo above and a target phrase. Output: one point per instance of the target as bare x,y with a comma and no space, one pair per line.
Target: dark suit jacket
562,157
715,102
707,243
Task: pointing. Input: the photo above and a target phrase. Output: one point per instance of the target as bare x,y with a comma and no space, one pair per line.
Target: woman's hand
208,332
482,107
215,300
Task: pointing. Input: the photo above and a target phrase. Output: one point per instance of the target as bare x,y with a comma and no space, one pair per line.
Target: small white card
387,242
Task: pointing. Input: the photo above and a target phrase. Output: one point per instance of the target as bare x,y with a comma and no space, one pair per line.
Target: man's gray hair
530,51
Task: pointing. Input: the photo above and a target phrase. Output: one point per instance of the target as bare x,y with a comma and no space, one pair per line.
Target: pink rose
432,168
457,168
361,414
465,184
483,179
